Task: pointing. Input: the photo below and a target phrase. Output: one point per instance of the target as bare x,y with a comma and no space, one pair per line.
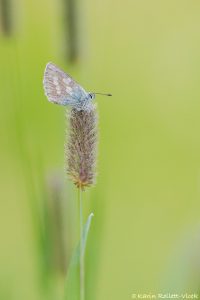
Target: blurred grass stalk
57,217
71,29
5,17
74,31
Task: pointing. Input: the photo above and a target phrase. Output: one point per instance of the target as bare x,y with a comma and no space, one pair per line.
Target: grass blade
72,282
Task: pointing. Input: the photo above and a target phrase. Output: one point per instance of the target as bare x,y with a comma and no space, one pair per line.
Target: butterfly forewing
60,88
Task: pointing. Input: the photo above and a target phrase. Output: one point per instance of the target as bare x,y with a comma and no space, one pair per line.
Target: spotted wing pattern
61,89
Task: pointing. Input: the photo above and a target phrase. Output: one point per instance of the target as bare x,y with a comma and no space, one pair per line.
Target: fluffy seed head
81,147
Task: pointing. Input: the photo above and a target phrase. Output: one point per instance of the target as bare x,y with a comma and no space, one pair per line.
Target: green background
145,232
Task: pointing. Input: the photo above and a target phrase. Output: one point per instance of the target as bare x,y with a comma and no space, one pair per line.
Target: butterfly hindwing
60,88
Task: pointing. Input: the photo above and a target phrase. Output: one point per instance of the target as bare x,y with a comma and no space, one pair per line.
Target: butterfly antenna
103,94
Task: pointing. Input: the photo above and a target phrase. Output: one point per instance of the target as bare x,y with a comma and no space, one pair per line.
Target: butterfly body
61,89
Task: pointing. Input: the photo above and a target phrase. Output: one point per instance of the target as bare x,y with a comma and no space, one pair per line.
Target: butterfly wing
60,88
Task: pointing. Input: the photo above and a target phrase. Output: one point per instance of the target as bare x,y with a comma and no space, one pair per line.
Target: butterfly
60,88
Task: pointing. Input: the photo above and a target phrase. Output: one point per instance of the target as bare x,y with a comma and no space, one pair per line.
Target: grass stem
82,267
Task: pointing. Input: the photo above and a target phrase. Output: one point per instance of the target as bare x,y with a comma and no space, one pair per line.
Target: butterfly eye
92,95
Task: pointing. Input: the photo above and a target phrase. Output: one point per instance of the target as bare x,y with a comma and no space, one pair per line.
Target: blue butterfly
61,89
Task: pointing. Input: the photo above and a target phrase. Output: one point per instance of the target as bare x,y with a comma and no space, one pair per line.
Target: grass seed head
81,148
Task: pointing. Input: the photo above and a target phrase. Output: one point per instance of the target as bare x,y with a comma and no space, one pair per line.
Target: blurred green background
145,235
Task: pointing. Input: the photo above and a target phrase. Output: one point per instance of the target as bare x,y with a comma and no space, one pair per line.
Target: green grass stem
82,266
